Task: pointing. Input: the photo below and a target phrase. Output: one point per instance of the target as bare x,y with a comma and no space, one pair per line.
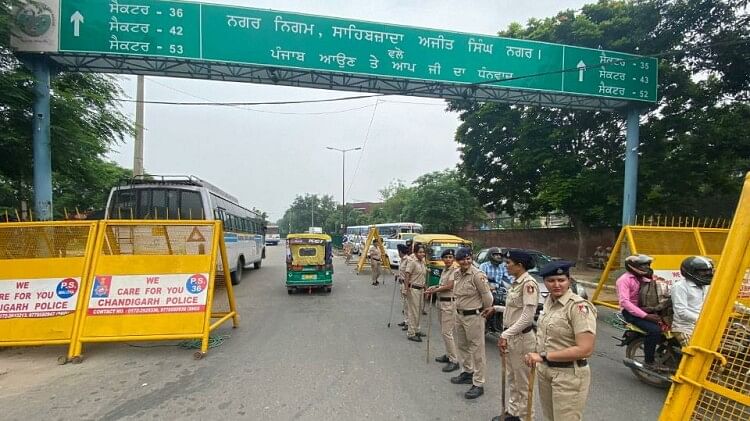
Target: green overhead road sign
242,35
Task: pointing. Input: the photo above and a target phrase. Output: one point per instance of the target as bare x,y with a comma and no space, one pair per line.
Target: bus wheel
257,264
237,274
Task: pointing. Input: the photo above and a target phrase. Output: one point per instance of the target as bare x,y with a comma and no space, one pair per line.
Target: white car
392,250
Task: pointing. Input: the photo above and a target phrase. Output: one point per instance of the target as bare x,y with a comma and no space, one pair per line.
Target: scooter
668,355
494,324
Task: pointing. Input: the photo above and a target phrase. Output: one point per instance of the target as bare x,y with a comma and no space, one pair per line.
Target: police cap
462,253
558,267
402,248
520,256
447,252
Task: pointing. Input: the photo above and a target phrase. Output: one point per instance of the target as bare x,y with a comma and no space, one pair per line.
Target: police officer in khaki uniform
403,255
472,294
447,310
375,261
565,338
518,337
415,275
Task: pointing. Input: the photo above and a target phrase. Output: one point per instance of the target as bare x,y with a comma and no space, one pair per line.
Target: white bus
386,230
189,197
272,235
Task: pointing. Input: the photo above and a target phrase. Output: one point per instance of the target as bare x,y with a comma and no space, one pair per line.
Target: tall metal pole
138,149
41,139
631,166
343,181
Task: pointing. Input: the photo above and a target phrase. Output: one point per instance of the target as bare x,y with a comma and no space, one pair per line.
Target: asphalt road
307,357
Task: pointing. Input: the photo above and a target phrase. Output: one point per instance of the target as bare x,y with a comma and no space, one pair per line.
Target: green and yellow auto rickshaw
309,262
435,244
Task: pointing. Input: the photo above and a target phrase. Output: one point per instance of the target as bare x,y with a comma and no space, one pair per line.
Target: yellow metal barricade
43,271
154,280
669,246
713,379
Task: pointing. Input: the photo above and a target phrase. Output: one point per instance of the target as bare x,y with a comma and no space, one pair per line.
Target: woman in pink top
628,287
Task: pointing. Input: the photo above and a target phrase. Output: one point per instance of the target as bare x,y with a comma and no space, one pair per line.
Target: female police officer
565,337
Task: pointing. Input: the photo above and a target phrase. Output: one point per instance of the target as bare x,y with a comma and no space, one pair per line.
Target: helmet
491,255
699,269
639,265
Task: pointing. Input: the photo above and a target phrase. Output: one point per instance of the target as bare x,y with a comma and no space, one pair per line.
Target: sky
266,155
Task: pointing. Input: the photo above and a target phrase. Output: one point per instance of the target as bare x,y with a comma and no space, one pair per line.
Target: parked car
540,259
390,245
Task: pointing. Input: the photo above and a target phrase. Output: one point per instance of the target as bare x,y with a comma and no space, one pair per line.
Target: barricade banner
669,246
712,381
154,280
43,271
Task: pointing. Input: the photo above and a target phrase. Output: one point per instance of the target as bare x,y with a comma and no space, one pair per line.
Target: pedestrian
689,294
472,294
447,309
415,275
403,255
518,337
375,258
565,338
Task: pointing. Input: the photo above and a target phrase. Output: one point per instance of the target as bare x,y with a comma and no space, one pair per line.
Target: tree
85,123
528,160
439,201
308,210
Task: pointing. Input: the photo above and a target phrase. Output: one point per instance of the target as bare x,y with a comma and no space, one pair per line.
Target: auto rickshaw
435,244
309,262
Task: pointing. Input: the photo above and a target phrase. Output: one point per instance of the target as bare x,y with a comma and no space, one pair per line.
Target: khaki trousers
563,391
447,325
414,298
404,306
469,336
374,270
518,373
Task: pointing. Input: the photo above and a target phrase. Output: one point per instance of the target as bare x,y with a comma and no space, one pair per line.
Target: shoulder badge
583,309
530,289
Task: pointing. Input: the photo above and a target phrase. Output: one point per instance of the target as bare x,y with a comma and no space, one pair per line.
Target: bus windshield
156,203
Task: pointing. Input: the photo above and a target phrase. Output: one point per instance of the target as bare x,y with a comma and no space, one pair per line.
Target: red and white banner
148,294
27,298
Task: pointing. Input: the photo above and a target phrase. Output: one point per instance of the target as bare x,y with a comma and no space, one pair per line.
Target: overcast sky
266,155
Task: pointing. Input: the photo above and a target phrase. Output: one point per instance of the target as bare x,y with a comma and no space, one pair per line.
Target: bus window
173,204
144,204
191,205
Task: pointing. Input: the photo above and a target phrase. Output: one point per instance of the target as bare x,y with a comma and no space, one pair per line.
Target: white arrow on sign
76,19
581,68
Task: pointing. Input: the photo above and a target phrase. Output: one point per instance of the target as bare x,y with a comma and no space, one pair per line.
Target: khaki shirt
446,277
523,292
562,320
374,253
402,267
471,290
415,272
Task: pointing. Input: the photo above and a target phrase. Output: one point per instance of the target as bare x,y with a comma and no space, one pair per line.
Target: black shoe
414,338
506,416
421,335
402,324
424,312
512,418
450,367
463,378
404,327
442,359
474,392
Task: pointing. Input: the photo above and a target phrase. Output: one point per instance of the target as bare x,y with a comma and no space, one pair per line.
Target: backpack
653,298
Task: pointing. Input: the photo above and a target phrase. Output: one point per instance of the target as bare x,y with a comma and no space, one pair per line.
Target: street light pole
343,180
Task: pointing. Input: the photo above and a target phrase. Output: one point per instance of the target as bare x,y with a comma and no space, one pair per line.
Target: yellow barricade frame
364,262
88,334
713,381
57,264
695,240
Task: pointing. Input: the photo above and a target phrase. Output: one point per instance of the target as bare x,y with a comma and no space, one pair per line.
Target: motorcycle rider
689,294
638,271
496,269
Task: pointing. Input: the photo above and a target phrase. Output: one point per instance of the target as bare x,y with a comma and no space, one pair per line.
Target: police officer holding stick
415,276
518,337
447,310
565,338
472,295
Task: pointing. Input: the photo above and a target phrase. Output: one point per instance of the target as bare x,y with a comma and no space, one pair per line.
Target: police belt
567,364
469,312
528,329
445,298
416,286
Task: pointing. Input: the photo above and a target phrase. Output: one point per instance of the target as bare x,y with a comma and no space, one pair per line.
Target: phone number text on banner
148,294
28,298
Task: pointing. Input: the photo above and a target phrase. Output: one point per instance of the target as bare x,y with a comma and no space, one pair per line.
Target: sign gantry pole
630,187
41,138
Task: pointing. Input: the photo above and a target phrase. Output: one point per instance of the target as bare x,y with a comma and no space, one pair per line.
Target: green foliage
312,210
85,123
695,147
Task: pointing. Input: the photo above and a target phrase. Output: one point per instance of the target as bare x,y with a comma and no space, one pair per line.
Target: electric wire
364,145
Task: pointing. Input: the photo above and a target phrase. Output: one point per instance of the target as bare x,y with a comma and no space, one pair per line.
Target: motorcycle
667,357
494,324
